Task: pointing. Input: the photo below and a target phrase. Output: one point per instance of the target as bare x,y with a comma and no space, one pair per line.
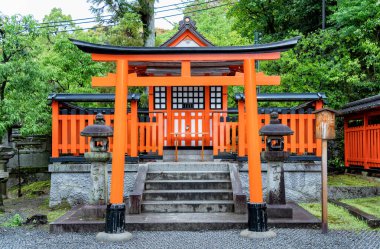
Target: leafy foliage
21,82
119,9
276,18
342,61
15,221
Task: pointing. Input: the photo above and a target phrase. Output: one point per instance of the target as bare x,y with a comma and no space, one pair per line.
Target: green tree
358,25
277,18
21,82
119,8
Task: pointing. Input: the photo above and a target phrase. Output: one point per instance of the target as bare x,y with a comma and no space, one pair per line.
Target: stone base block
280,211
113,237
258,235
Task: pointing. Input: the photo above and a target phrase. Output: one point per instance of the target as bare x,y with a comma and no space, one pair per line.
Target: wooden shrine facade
148,134
362,134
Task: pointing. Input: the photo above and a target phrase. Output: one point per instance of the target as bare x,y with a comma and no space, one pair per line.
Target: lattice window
216,97
188,97
159,97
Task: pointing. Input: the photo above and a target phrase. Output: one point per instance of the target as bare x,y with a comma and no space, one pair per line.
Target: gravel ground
286,238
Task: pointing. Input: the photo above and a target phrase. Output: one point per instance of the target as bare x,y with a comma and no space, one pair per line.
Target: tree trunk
2,90
147,17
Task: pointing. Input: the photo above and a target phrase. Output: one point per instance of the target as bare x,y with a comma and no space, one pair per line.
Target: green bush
15,221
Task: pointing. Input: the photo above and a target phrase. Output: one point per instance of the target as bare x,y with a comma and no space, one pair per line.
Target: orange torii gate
129,75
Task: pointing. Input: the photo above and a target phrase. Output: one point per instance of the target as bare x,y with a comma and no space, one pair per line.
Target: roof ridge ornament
187,23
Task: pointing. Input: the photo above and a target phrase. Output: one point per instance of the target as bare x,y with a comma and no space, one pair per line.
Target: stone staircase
188,188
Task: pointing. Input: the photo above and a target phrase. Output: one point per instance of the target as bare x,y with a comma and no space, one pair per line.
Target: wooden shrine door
188,116
187,127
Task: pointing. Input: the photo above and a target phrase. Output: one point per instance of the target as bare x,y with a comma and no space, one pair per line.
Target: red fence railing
362,140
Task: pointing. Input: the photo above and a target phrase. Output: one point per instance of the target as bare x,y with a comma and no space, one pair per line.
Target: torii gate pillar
257,214
115,212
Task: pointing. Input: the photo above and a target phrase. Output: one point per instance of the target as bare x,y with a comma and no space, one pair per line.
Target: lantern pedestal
275,176
6,153
99,176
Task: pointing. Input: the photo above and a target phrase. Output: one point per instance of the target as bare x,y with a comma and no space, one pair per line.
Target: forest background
342,60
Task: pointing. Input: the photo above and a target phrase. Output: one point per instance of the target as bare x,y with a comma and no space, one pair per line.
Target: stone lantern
6,153
275,156
98,157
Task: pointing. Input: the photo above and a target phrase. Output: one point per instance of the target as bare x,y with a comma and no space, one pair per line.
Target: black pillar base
257,217
115,218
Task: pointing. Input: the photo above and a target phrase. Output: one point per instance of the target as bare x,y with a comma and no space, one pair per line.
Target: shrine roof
279,97
187,25
251,49
361,105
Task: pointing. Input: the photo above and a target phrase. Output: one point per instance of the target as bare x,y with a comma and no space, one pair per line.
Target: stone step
187,184
188,158
188,175
188,166
187,206
188,152
193,194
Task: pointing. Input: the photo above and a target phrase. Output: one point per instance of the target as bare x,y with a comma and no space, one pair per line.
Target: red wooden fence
362,141
145,136
231,134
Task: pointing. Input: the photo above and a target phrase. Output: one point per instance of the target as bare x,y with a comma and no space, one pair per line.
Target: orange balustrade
226,135
362,141
141,136
230,135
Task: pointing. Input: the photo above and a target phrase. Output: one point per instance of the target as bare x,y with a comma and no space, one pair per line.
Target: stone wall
302,180
32,152
336,193
71,182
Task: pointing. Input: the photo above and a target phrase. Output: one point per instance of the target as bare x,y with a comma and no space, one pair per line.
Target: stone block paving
286,238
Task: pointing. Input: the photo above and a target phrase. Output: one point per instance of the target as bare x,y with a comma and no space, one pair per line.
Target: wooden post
120,128
324,186
134,129
55,129
252,132
160,134
325,130
241,128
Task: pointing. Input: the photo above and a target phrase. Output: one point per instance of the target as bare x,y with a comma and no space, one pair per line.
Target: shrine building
188,118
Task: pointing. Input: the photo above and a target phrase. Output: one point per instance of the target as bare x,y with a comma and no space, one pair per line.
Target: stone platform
71,182
91,219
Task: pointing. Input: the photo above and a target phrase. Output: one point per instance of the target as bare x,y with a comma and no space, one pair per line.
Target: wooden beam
186,57
108,81
265,80
237,80
185,81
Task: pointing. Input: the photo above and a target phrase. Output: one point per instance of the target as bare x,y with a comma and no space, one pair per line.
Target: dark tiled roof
361,105
88,97
252,49
278,97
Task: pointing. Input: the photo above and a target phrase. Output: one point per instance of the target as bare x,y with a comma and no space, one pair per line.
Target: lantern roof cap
275,128
99,129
